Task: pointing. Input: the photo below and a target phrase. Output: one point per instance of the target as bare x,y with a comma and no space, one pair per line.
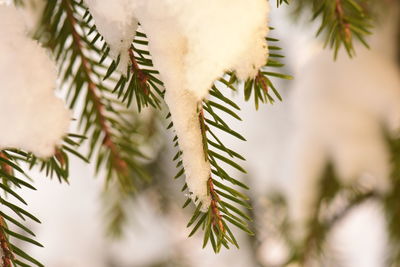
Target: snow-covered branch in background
32,117
342,111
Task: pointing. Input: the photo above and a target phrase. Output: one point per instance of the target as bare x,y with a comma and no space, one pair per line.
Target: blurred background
335,119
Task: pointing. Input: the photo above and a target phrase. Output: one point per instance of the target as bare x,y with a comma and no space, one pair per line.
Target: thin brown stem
217,218
118,162
143,77
60,157
262,81
342,21
4,166
8,256
5,248
216,215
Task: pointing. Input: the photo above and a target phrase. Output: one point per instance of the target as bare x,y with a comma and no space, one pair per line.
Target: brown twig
342,21
216,215
262,81
8,256
60,157
4,166
118,162
143,78
217,218
203,129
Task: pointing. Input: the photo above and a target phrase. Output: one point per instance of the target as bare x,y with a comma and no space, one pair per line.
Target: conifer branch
119,164
222,211
11,254
112,135
262,87
84,64
141,83
342,21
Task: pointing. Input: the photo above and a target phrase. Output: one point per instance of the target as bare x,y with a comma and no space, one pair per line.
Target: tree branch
119,163
216,215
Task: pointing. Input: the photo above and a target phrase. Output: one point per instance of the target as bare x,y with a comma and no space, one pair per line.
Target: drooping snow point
32,118
192,44
116,22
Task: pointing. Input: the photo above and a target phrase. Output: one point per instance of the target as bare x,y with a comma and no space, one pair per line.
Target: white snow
117,24
208,37
31,117
183,108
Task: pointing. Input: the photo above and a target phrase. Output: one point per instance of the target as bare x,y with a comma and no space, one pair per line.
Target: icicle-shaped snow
31,117
116,22
183,107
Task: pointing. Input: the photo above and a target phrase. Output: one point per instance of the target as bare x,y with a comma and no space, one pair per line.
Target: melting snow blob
32,118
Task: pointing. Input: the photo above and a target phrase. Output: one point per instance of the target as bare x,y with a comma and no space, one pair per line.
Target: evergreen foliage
13,177
342,21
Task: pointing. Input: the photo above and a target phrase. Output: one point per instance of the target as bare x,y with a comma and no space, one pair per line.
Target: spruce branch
116,160
262,87
11,254
112,129
342,21
82,64
141,82
222,211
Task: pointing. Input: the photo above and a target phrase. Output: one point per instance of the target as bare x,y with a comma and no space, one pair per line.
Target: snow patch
32,118
116,22
211,37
